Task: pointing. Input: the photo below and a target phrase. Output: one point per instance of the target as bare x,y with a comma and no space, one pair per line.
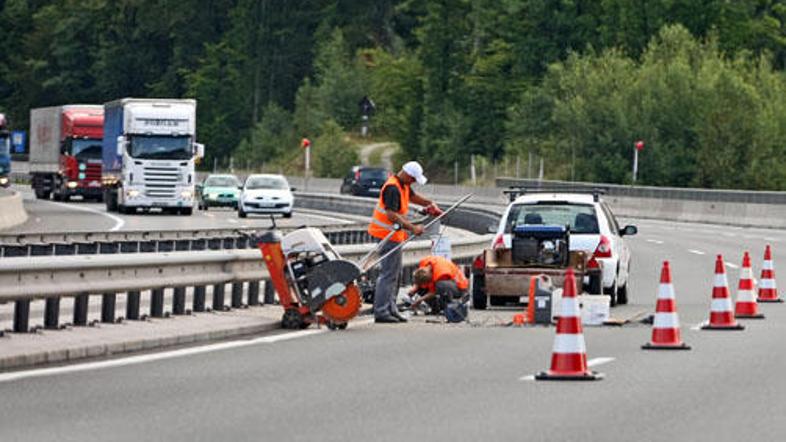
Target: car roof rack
514,192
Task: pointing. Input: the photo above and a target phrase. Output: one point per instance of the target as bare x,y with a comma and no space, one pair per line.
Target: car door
619,246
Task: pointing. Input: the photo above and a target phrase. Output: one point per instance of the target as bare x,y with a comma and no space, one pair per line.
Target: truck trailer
5,153
65,151
149,152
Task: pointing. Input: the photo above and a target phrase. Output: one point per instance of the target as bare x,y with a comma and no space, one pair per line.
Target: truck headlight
186,194
3,180
132,193
82,175
72,184
82,166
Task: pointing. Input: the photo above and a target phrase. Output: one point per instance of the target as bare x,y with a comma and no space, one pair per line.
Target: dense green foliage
573,81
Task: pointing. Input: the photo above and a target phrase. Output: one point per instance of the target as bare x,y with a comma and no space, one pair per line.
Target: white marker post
306,144
636,148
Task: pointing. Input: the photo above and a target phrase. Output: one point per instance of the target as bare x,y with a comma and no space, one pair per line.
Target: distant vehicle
364,181
5,153
218,191
149,152
590,230
65,151
266,194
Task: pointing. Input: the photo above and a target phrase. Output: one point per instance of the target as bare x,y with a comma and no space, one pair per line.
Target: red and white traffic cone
746,306
721,312
569,358
666,326
768,292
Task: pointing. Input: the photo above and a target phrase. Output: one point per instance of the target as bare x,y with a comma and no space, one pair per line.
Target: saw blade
341,308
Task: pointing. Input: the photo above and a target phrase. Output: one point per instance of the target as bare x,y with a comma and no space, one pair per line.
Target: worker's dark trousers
386,292
446,290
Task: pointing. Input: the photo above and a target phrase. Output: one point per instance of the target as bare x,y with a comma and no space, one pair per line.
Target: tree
332,154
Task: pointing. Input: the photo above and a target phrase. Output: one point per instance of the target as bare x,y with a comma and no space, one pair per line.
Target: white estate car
593,229
266,194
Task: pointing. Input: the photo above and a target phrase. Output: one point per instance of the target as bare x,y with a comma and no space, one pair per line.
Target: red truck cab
80,144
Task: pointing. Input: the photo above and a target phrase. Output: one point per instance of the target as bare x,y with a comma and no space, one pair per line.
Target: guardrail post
270,292
218,296
199,298
132,305
157,303
253,292
22,316
80,309
108,301
179,301
237,294
52,313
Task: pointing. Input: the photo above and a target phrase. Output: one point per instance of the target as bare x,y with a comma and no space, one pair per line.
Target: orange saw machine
314,284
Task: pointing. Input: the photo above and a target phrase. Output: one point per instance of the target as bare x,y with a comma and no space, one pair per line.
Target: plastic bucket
594,309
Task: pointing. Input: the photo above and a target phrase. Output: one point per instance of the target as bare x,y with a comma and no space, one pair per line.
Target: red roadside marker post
306,145
639,145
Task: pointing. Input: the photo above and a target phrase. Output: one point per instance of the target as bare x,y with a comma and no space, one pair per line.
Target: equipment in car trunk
541,245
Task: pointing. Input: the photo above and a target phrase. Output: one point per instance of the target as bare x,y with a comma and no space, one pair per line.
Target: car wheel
241,213
188,211
612,292
478,293
288,215
622,295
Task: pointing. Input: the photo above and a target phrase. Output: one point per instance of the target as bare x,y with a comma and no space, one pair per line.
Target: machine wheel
498,301
293,320
478,293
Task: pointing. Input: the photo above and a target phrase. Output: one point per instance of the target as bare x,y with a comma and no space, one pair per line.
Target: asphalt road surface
51,216
422,381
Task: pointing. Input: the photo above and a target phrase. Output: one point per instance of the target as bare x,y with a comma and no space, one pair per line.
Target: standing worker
440,278
390,214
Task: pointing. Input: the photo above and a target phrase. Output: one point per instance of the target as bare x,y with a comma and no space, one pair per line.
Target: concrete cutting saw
313,282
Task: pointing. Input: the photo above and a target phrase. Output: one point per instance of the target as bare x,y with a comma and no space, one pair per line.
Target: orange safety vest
380,225
443,269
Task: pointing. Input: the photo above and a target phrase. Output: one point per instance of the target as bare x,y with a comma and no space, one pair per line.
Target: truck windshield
86,148
161,147
4,145
580,218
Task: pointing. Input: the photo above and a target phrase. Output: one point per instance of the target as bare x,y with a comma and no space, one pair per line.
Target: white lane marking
729,234
594,362
731,265
655,241
697,252
119,222
210,215
233,221
141,359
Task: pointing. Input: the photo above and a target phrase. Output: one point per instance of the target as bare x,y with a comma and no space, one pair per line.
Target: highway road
52,216
422,381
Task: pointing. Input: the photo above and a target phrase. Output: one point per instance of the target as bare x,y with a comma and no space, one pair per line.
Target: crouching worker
444,285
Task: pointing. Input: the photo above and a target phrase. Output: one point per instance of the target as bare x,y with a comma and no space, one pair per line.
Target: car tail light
479,263
357,175
593,263
499,242
604,248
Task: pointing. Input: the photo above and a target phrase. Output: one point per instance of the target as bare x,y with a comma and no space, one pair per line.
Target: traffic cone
768,292
721,313
746,306
666,327
569,358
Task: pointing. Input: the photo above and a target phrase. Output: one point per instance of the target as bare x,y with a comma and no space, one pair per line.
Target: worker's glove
434,210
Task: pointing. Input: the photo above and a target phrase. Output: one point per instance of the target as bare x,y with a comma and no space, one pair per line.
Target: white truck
149,152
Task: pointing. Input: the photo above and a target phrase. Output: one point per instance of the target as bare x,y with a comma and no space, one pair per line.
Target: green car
218,191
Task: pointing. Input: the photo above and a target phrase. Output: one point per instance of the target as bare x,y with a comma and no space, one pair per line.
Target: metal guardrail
674,193
81,277
90,243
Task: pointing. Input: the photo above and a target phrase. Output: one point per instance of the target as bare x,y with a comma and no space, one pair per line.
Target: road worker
440,280
390,215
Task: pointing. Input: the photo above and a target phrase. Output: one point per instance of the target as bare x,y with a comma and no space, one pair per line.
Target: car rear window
374,174
222,181
580,218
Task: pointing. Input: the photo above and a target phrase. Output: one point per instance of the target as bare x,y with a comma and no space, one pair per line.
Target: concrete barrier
12,212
